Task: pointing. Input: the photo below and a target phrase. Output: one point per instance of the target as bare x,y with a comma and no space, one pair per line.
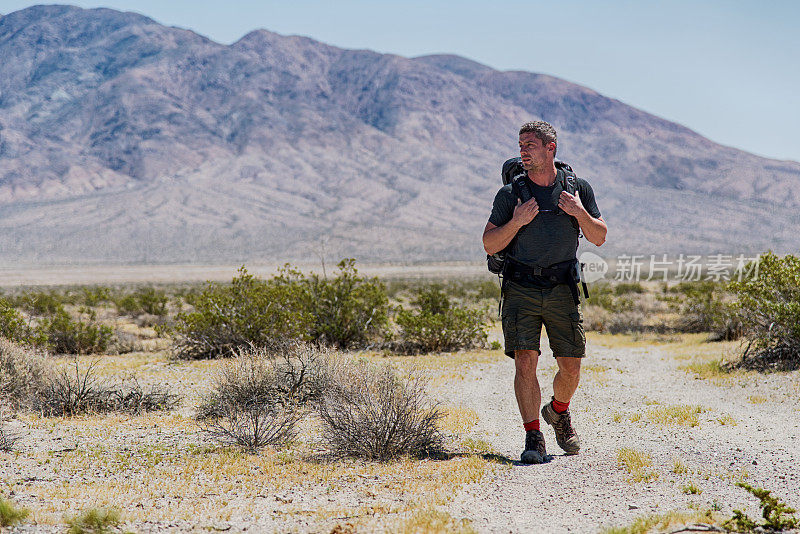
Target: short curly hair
543,131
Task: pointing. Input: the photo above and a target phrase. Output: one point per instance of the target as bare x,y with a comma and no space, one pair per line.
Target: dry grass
637,464
432,521
164,483
479,446
691,489
458,420
678,467
665,522
756,399
727,419
681,415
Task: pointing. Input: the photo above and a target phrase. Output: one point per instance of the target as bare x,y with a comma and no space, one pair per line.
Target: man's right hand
525,213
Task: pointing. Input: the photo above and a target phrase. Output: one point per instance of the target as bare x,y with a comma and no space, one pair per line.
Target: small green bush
704,306
348,310
14,327
248,312
768,307
612,298
146,300
41,303
96,295
10,515
85,335
439,325
777,515
623,288
94,521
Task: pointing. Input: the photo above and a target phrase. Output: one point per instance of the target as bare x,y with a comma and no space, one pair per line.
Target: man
536,287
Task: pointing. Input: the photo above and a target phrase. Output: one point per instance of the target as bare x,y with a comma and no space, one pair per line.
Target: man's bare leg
567,378
526,384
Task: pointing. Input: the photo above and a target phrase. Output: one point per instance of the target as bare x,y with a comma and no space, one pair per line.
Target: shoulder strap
570,185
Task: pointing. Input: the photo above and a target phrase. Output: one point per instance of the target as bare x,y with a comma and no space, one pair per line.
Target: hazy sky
728,69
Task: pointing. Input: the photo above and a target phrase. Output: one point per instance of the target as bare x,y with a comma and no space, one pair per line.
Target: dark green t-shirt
550,237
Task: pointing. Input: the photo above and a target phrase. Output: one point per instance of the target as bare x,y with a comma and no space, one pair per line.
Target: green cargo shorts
526,309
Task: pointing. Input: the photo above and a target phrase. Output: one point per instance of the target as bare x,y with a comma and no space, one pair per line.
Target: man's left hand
571,204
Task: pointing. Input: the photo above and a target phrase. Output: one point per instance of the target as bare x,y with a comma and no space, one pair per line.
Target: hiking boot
566,437
534,452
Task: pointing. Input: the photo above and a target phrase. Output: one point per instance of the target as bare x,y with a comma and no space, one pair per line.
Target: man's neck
545,177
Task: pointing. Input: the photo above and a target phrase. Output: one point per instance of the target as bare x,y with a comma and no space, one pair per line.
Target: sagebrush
24,375
377,414
258,398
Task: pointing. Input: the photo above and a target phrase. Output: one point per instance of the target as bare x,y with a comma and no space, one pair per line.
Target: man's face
536,156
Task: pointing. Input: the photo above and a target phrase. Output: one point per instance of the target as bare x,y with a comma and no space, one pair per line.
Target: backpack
513,173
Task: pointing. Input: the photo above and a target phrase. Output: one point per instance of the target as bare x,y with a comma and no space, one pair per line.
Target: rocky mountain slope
123,140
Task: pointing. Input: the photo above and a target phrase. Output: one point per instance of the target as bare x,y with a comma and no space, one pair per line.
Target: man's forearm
496,238
593,229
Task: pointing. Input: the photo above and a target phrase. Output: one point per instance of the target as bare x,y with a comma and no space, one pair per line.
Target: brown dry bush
7,438
24,374
377,414
258,398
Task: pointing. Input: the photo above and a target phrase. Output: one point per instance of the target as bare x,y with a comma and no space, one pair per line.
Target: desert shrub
96,295
41,303
10,515
377,414
125,343
703,306
625,322
595,318
298,375
248,312
7,439
14,327
623,288
133,398
768,306
84,335
439,325
24,373
73,391
94,521
258,400
348,310
778,516
615,299
147,300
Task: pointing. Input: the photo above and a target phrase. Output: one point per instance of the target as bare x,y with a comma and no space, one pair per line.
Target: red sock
560,407
531,425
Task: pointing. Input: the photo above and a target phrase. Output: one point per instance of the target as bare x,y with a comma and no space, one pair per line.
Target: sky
728,69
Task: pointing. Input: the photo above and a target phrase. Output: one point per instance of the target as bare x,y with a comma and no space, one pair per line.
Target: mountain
124,141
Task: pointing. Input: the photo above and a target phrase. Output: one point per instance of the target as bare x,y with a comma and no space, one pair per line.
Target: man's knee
570,367
526,361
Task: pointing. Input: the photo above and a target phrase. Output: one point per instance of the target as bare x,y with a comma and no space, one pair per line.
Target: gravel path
587,492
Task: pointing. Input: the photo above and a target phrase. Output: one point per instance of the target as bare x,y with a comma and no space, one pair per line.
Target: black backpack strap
570,185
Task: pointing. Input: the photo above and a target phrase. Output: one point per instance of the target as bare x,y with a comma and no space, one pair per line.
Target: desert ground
665,438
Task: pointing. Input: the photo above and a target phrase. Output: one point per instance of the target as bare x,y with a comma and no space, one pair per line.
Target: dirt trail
589,491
